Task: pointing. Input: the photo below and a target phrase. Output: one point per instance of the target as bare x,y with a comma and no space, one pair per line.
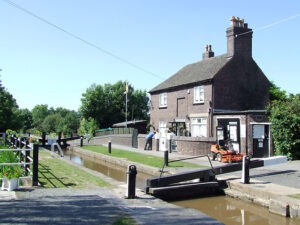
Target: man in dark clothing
148,145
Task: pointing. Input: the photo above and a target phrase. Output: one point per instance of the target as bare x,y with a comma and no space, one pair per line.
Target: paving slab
93,206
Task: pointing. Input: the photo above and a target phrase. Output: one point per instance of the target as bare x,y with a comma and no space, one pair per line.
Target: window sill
162,107
198,103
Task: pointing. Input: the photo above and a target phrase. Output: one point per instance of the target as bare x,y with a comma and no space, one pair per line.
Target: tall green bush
285,118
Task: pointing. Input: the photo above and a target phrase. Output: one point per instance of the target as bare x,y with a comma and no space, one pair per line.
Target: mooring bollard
131,180
81,141
245,171
166,157
109,147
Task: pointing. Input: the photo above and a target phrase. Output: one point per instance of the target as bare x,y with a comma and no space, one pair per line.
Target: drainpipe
247,134
211,104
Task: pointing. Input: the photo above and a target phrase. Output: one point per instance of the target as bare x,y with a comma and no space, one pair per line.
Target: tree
57,120
285,118
51,123
87,126
10,117
26,117
276,93
69,123
106,104
39,113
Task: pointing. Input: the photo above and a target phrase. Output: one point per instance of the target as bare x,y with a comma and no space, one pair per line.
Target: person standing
148,145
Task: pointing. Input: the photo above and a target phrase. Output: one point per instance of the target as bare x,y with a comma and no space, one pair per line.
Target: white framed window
163,100
199,94
199,127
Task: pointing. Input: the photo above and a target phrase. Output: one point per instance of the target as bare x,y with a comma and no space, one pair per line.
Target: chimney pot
238,21
232,19
246,25
242,22
208,52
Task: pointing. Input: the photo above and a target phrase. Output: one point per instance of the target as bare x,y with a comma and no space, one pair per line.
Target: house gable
240,85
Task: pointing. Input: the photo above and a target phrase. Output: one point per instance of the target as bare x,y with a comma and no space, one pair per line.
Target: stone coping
122,162
270,195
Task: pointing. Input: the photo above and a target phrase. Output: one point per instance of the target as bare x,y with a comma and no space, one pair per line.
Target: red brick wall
194,146
187,108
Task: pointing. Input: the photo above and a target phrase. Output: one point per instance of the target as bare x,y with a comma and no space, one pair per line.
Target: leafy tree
285,118
276,93
51,123
69,123
61,120
87,126
39,113
9,111
106,104
26,117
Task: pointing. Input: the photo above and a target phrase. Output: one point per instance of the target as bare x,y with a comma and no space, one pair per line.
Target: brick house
228,93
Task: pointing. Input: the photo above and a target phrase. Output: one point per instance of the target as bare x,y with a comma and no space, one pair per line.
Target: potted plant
10,173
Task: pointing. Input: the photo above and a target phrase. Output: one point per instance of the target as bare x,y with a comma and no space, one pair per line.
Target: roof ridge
194,72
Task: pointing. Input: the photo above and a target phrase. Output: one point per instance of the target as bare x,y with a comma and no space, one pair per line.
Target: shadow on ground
89,209
45,173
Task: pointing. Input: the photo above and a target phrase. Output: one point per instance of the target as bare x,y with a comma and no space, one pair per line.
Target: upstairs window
199,94
163,100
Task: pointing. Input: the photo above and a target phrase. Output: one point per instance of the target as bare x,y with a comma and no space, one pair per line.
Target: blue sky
42,65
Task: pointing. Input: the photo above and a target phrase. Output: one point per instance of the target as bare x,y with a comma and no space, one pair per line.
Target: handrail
13,164
25,149
194,157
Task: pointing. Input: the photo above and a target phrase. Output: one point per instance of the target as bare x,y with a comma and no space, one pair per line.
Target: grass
139,157
55,173
125,220
297,196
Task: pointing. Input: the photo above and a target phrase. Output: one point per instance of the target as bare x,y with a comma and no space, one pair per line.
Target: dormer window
199,94
163,100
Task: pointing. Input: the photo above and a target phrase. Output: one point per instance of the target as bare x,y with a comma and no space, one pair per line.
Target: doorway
260,135
231,131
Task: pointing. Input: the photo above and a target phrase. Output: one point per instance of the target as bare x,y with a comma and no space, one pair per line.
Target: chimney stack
239,38
208,52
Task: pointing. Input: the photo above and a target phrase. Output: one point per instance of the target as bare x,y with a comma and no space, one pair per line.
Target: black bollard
59,138
35,165
109,147
81,141
131,180
245,171
44,138
166,157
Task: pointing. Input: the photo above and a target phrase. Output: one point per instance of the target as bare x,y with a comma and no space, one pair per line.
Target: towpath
285,174
91,206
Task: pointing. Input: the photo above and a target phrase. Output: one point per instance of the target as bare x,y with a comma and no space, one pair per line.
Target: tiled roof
195,72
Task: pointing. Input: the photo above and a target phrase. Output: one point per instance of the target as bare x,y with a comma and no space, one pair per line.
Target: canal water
116,172
225,209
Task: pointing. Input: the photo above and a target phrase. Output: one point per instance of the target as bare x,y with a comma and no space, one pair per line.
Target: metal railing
116,131
22,149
